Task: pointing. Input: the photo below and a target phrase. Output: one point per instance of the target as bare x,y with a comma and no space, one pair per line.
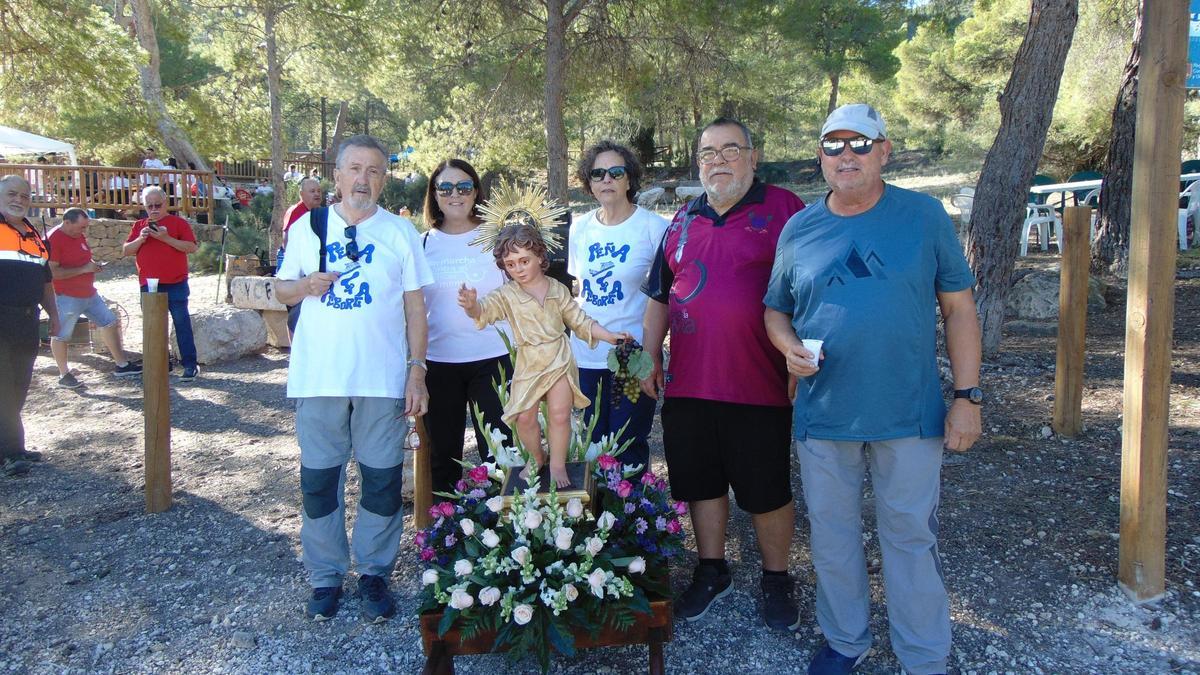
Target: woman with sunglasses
609,251
463,361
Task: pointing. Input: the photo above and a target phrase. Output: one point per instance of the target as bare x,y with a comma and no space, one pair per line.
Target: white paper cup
814,346
151,285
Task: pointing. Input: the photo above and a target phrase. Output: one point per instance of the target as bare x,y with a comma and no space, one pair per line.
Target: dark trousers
640,415
18,350
452,387
177,305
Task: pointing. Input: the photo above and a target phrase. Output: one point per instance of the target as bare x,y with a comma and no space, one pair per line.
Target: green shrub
398,194
247,235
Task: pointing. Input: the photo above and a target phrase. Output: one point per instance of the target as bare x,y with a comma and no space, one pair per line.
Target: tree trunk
556,132
324,128
274,93
834,80
1110,251
339,129
141,25
1025,111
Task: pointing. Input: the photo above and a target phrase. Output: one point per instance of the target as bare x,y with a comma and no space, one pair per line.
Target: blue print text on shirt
349,291
605,296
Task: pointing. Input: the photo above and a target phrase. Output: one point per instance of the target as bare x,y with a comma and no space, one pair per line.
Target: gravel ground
1029,537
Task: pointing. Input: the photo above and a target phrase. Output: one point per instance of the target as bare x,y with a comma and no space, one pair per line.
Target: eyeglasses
155,206
859,145
352,245
463,187
615,172
729,153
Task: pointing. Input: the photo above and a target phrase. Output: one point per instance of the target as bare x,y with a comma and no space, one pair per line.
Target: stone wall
106,236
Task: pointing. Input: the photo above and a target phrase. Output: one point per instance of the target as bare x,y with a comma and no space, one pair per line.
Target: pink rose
681,508
460,485
479,474
674,527
428,554
660,485
435,512
420,539
648,478
607,462
624,488
447,509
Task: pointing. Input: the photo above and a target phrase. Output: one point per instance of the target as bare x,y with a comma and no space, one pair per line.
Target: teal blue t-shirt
867,285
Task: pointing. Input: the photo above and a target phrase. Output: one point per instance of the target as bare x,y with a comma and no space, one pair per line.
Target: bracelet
418,362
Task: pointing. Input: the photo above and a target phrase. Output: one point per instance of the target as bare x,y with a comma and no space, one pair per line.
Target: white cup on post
814,346
151,285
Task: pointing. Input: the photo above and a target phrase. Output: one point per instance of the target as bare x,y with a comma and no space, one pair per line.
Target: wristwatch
973,394
418,362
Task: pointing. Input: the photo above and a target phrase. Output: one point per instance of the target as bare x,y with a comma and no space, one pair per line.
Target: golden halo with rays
515,205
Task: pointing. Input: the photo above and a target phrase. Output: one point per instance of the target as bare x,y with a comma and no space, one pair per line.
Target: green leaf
613,364
447,621
561,639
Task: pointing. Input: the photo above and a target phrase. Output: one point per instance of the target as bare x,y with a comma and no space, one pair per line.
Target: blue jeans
611,418
177,305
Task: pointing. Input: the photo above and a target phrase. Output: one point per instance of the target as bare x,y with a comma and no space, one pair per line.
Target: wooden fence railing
260,169
112,188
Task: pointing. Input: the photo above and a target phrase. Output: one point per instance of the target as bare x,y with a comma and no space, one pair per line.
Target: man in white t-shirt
357,371
152,162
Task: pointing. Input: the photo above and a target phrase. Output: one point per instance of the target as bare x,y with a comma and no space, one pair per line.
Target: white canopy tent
17,142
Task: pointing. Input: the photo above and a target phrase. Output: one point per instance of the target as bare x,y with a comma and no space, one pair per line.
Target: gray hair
73,214
730,122
152,189
15,177
361,141
309,179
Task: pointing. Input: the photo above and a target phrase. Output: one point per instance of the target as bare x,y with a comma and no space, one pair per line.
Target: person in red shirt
310,198
162,242
74,273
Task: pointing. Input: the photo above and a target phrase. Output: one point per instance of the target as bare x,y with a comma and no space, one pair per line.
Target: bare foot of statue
558,474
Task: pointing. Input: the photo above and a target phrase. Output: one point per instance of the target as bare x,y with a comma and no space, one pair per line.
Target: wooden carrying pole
1151,303
422,477
1072,321
156,406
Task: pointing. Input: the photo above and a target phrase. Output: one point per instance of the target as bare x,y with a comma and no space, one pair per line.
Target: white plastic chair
649,198
963,201
1042,217
1192,194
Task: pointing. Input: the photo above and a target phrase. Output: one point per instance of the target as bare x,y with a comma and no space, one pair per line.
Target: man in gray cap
862,271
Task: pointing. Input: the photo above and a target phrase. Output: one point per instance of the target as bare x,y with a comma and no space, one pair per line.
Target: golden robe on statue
543,349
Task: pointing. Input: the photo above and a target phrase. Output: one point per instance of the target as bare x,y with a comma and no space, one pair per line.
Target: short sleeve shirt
867,285
24,268
293,214
159,260
712,271
68,252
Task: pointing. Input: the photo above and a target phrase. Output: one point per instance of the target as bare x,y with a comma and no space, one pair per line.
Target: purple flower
477,493
460,485
660,523
428,554
450,540
629,507
640,525
648,478
624,488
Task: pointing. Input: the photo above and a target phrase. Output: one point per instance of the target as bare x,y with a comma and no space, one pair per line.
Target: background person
463,361
610,251
162,241
74,271
311,197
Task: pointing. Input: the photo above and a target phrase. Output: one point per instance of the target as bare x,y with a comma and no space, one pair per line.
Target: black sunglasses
352,245
464,188
616,172
859,145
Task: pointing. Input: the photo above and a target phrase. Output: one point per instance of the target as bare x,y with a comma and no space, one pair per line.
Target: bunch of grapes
630,365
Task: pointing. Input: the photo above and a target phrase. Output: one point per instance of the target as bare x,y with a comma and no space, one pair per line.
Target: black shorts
711,446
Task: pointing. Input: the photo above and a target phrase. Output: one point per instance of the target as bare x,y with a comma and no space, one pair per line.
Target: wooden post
422,478
156,406
1072,321
1151,303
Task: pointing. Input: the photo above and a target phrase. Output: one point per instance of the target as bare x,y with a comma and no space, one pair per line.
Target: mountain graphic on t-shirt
855,265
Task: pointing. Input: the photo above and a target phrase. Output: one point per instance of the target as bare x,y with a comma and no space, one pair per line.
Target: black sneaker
323,603
11,466
69,381
707,585
827,661
779,610
128,370
377,603
190,373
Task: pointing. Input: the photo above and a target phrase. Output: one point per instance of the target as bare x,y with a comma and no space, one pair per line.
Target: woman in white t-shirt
463,361
609,251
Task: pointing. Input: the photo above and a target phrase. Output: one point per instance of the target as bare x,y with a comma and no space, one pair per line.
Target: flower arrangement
535,571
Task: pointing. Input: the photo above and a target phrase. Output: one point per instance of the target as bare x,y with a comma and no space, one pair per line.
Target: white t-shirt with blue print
867,285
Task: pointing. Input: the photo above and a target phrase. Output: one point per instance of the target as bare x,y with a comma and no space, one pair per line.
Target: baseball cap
858,117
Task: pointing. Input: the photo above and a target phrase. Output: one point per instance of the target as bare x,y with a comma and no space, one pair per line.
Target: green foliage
398,194
643,145
247,234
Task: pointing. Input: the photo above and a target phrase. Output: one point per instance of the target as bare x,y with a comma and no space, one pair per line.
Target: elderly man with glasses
357,371
863,271
726,417
162,241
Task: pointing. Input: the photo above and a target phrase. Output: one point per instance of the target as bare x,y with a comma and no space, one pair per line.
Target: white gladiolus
570,591
521,555
637,565
429,577
489,596
463,567
562,538
596,581
495,504
522,614
490,538
606,521
532,520
594,544
461,599
468,526
574,507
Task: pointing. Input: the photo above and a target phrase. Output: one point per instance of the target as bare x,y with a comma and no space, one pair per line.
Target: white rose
521,555
532,520
570,591
461,599
495,504
562,538
522,614
463,567
596,580
429,577
490,538
605,521
468,526
594,545
574,507
637,565
489,596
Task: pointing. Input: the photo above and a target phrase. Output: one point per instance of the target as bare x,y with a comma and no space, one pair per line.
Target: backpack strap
319,220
